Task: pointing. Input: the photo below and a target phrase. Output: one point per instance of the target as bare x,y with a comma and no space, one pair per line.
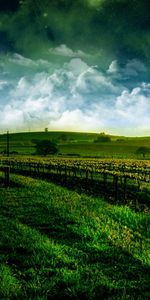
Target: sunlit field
60,244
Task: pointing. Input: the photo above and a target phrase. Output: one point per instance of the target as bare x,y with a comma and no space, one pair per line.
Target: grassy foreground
57,244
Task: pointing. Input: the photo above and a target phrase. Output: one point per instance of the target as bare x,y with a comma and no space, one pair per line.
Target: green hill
76,143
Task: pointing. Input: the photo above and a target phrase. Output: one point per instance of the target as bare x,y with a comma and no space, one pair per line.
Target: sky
75,65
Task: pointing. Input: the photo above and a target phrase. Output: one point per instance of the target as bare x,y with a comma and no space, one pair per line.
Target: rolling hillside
75,143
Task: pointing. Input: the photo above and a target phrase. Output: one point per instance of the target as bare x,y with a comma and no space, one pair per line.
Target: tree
46,147
143,150
102,138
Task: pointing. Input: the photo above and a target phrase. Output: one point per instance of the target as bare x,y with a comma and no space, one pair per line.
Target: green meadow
77,144
62,244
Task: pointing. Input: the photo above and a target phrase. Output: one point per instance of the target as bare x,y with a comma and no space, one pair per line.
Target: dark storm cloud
119,27
7,5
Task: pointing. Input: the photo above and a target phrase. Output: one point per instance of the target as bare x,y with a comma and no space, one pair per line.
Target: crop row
115,179
134,169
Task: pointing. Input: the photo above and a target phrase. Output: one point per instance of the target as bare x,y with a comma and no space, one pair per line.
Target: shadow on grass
109,261
114,262
124,272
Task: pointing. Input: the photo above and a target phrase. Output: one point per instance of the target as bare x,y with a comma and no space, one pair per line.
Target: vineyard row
109,172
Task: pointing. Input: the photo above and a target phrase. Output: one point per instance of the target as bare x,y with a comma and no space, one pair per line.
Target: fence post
7,143
125,187
65,174
7,177
105,184
116,187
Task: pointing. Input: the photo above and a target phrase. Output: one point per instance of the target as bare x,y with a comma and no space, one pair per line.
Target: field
61,244
78,227
73,143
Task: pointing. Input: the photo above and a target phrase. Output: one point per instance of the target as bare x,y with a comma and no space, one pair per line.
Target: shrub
46,147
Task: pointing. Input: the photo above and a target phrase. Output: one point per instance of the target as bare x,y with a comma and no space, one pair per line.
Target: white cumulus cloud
132,68
74,96
63,50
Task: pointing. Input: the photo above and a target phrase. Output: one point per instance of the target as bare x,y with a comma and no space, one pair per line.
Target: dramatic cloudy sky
79,65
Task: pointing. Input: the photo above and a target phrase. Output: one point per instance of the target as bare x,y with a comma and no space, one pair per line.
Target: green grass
58,244
112,150
77,143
